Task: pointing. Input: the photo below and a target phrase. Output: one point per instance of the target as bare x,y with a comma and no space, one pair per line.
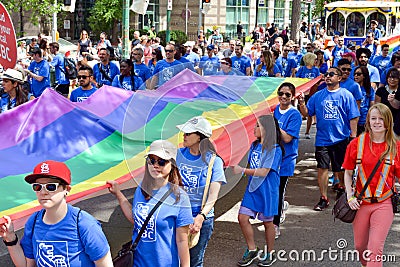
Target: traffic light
206,1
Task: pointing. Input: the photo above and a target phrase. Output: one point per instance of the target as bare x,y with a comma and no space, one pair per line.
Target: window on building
237,10
279,13
262,16
151,17
355,24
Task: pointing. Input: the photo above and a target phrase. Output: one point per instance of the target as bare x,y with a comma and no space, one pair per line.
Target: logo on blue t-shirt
52,253
190,176
255,159
331,111
141,213
167,74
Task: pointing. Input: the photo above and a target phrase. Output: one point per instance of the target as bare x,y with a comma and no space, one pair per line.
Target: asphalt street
308,238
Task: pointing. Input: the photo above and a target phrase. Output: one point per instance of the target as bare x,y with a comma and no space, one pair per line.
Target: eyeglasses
330,74
286,94
358,73
169,50
50,187
286,50
82,77
225,63
160,162
345,69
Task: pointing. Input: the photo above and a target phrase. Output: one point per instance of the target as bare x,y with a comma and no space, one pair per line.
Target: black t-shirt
383,94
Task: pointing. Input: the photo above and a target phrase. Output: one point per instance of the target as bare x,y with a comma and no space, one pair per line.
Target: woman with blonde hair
84,44
375,211
267,67
308,70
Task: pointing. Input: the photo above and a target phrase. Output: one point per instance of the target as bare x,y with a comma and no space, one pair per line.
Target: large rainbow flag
106,137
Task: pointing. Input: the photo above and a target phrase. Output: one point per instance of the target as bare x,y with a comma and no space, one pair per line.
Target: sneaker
277,231
335,185
322,204
248,257
284,209
308,136
270,259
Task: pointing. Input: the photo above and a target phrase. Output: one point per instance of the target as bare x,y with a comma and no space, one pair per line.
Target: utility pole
54,30
169,9
125,29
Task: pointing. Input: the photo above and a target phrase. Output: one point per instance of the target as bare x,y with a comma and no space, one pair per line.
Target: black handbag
341,210
395,201
125,256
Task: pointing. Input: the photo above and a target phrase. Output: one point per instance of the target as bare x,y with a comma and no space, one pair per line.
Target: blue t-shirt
290,121
264,73
58,64
365,105
337,54
334,110
296,57
6,103
193,58
372,47
381,63
194,174
142,71
353,88
262,193
165,71
80,95
41,69
60,245
231,72
151,66
127,83
187,64
111,70
287,65
241,63
374,75
158,247
305,72
209,65
323,68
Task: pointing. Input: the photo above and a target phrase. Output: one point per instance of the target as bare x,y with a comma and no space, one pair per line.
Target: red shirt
369,161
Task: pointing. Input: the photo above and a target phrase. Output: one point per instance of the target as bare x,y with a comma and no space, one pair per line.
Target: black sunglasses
169,50
346,69
160,162
82,77
50,187
358,73
330,74
187,134
286,94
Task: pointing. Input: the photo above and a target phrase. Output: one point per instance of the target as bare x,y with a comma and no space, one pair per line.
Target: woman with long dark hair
166,242
267,67
127,79
156,55
261,197
361,76
194,161
14,95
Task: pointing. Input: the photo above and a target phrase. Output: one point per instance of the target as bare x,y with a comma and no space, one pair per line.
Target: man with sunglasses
59,234
354,88
286,64
86,88
166,68
337,116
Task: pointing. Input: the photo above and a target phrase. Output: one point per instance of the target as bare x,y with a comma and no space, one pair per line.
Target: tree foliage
104,15
319,7
37,9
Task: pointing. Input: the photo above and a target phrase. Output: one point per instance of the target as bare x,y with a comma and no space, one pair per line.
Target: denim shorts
255,215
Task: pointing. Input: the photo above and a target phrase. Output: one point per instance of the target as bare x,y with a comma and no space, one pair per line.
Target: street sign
8,43
169,5
67,24
261,3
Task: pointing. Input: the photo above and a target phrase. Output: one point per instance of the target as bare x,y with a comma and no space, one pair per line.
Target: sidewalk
303,233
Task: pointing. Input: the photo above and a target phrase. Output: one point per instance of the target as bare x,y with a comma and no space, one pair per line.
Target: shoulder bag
341,210
126,255
193,239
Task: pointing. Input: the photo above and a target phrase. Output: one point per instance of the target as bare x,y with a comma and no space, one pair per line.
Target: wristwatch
204,216
12,243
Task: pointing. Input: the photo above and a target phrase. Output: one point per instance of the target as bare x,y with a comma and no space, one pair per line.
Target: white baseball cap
163,149
196,124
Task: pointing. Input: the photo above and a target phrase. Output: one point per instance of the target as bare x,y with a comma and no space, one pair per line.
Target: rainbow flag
106,137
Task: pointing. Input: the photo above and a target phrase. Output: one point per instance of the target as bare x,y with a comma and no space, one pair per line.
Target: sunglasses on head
286,94
330,74
345,69
50,187
82,77
160,162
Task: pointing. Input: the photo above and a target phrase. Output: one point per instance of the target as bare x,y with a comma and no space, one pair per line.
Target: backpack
70,69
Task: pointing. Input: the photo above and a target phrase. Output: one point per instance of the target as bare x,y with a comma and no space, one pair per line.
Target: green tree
105,16
319,8
34,11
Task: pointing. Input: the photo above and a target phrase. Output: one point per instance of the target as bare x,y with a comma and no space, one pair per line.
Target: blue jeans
197,252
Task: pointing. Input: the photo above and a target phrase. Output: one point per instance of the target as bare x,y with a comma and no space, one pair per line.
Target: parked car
65,46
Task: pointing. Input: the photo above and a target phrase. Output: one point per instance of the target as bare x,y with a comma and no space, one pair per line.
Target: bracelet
351,199
243,171
12,243
204,216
